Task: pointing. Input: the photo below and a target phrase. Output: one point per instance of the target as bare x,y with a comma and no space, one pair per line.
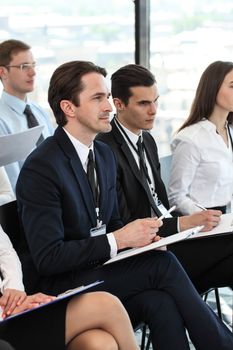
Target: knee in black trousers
158,310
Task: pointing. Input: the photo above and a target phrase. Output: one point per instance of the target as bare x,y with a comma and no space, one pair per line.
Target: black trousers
154,288
207,261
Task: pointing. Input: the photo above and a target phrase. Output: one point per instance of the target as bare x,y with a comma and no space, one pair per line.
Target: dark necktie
32,121
142,163
91,174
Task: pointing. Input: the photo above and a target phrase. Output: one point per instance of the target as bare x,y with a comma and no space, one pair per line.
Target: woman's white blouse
10,265
6,192
202,168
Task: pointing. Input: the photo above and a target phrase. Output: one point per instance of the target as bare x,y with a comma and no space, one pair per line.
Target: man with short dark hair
135,95
72,225
17,112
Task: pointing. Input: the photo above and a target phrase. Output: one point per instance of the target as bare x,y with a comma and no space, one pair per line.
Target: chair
217,300
143,328
165,169
9,220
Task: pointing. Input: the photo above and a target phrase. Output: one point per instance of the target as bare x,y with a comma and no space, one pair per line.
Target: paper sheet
14,147
162,242
225,226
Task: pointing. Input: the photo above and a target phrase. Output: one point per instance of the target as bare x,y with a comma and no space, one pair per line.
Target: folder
224,227
62,296
155,245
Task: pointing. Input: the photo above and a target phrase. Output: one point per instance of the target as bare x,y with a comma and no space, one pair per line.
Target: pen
70,291
200,206
167,212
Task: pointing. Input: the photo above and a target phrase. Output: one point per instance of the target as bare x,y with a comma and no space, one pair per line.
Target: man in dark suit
135,95
72,225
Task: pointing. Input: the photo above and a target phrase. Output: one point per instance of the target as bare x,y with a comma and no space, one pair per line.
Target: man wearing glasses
17,112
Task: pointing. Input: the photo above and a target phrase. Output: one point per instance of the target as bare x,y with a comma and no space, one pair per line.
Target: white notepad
161,243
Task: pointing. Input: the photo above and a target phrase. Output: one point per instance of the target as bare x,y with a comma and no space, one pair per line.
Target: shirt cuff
113,244
178,224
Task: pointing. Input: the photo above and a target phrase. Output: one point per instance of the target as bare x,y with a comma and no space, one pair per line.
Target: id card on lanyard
100,228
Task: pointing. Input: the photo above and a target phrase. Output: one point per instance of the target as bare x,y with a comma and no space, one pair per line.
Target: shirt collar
14,102
209,125
80,148
133,137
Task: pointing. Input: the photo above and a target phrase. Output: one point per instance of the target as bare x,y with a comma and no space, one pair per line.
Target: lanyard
144,168
229,133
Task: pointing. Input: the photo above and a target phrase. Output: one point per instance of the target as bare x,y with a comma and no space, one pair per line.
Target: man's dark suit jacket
53,187
206,271
132,194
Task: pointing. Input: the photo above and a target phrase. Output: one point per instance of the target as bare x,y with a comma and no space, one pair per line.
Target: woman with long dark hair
202,164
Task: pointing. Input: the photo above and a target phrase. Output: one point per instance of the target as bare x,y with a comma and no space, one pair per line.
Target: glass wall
59,31
186,36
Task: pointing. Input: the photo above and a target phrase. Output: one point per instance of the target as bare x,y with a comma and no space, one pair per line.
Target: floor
226,301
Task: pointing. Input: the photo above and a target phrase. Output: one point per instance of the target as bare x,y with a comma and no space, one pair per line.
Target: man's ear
3,71
68,108
118,104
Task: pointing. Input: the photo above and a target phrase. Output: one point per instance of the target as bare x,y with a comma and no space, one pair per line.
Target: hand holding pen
210,218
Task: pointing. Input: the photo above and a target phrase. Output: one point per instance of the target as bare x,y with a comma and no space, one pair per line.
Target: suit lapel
79,173
159,185
126,151
133,165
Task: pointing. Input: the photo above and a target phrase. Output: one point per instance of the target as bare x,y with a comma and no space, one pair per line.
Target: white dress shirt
10,265
202,168
6,192
83,152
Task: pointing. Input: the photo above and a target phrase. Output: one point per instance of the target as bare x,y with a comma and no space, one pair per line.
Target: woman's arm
10,265
11,285
185,160
6,192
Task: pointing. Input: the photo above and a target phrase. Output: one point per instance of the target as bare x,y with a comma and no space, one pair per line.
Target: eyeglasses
23,67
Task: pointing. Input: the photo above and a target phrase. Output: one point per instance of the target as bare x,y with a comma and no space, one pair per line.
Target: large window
186,36
60,31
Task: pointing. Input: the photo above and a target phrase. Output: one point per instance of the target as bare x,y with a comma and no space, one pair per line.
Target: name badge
163,211
97,231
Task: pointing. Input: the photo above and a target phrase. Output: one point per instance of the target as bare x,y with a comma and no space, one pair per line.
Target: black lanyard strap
138,150
229,133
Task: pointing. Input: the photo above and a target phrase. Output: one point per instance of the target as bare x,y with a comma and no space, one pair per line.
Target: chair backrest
165,163
9,221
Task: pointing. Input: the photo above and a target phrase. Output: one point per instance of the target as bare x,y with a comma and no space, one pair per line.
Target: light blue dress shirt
13,120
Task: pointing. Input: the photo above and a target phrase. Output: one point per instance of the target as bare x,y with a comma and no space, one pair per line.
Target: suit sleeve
169,227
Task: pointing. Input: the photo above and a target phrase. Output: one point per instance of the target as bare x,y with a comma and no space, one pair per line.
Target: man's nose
153,108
